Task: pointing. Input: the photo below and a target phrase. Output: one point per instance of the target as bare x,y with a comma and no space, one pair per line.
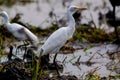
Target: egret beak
81,9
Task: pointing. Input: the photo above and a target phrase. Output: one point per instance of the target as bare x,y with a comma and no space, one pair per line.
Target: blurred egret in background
19,31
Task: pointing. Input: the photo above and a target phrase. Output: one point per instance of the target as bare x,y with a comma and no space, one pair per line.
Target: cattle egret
19,31
58,38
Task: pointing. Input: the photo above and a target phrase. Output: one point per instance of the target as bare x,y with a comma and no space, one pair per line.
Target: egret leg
29,55
25,53
44,60
20,46
10,53
56,65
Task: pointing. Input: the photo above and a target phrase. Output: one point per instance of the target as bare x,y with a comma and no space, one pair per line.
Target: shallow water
91,58
100,59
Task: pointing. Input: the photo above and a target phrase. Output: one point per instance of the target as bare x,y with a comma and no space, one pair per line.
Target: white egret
19,31
58,38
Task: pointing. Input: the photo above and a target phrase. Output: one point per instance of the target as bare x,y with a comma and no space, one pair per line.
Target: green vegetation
93,77
43,32
93,35
12,2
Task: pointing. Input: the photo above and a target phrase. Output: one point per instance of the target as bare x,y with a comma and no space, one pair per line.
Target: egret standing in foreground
58,38
19,31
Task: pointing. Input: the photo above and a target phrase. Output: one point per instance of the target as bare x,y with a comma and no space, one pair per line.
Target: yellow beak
81,9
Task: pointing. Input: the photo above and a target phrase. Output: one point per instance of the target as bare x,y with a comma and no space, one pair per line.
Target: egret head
3,14
73,9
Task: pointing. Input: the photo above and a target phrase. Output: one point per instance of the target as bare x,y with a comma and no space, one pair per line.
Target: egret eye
72,9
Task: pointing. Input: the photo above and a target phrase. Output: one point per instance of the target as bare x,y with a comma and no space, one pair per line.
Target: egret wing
55,41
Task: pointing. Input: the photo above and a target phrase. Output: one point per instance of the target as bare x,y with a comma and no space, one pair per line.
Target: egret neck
6,19
71,25
7,23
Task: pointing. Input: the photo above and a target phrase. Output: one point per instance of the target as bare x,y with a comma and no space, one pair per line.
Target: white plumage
58,38
19,31
55,41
